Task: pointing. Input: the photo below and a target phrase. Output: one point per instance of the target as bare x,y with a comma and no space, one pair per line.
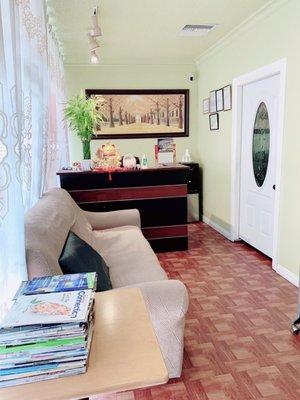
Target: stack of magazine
48,331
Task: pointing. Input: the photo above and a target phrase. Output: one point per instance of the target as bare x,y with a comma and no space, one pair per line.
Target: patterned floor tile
237,340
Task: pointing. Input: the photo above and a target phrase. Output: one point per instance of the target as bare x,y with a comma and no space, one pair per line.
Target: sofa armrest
113,219
167,302
166,299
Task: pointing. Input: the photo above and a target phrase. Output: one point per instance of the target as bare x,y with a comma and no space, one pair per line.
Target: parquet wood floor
237,340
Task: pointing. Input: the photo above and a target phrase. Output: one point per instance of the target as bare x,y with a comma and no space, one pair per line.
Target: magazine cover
58,283
166,151
49,308
23,372
60,344
43,377
165,145
49,354
42,362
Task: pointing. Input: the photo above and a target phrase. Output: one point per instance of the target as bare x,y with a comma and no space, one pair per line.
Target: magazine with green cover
43,345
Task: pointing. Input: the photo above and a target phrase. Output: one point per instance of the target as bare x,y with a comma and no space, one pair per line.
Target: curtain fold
56,146
33,135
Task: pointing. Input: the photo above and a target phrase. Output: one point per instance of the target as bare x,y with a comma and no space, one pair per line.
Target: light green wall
260,42
135,77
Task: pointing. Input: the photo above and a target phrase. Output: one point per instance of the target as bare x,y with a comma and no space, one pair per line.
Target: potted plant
83,117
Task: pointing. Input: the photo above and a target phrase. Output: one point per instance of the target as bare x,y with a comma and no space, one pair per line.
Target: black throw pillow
77,256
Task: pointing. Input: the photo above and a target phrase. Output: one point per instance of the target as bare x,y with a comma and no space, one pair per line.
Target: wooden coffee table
124,355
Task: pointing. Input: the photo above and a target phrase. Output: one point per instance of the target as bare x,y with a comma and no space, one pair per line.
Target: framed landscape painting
141,113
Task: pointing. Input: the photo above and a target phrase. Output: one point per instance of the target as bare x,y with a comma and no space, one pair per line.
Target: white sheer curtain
12,255
56,149
33,138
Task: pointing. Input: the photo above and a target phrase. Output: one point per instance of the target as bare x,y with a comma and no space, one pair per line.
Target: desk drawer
128,193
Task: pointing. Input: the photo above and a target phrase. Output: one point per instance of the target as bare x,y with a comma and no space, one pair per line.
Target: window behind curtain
33,135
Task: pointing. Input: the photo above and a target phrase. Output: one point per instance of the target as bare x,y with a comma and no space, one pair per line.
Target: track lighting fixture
94,57
96,30
93,44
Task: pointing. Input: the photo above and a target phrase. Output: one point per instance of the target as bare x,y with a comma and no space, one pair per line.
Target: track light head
94,57
96,30
93,44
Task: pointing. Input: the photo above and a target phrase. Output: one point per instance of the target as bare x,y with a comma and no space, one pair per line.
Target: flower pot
86,147
87,162
86,165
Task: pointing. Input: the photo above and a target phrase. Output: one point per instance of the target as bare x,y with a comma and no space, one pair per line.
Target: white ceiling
146,31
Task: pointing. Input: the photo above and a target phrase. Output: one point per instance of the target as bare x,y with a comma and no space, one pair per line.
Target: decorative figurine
186,156
76,166
107,158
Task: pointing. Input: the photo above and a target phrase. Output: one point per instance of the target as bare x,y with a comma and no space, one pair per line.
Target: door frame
276,68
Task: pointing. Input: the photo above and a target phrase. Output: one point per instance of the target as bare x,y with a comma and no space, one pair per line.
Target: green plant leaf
82,116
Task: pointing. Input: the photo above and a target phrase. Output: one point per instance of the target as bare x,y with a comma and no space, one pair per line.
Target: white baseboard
218,228
287,274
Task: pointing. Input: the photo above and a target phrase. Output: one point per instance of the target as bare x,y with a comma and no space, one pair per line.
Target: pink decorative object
129,161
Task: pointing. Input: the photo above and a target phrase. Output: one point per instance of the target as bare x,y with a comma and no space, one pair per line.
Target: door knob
274,187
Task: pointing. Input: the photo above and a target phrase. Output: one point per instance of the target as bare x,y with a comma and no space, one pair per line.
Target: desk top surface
125,354
167,167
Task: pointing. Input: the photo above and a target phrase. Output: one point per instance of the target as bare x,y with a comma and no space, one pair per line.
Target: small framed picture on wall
220,100
227,97
212,101
214,122
205,106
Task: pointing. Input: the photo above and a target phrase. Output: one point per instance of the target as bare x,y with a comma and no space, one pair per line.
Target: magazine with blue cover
43,377
22,372
58,283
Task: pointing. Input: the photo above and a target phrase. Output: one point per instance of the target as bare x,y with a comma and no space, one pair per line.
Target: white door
258,163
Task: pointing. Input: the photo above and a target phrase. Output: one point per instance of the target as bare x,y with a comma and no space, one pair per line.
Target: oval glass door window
261,144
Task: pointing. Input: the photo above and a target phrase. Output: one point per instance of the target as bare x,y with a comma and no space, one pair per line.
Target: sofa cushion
129,256
78,256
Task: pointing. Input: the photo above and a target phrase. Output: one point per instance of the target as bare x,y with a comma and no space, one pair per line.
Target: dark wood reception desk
160,194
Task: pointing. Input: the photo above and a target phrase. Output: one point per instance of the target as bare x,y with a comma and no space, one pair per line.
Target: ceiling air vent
196,30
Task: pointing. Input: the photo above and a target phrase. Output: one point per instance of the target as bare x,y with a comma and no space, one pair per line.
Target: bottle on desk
186,156
144,162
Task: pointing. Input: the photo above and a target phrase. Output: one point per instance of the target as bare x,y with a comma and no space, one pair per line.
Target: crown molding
259,15
151,63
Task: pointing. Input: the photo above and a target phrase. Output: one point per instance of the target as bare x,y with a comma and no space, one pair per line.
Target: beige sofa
118,238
